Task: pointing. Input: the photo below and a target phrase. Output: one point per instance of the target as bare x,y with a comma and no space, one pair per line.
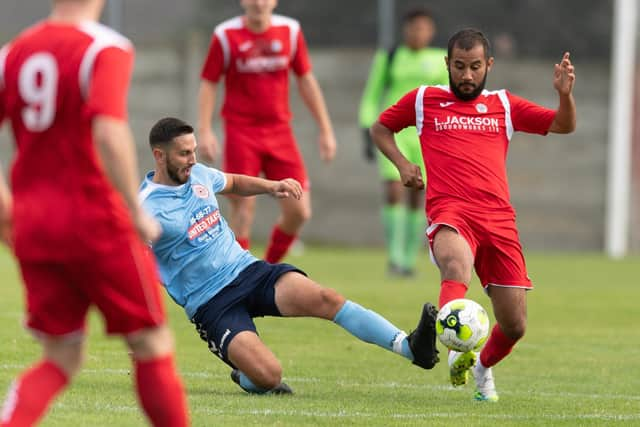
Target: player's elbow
563,127
378,131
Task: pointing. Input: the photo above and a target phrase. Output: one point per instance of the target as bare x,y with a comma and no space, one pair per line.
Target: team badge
481,108
200,191
276,46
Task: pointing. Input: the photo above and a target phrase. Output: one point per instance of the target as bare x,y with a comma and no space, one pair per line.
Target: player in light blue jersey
222,287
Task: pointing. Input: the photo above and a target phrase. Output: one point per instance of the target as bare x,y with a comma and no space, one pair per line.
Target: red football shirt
54,78
464,143
256,68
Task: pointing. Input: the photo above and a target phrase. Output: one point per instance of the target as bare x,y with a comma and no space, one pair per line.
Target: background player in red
255,53
464,133
77,225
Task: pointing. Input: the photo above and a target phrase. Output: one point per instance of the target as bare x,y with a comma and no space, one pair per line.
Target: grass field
579,363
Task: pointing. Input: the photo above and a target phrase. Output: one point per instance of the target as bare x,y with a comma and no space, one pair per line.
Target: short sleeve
402,114
109,84
301,63
218,179
213,67
530,117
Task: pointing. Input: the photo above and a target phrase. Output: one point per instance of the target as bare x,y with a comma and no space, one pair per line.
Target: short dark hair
165,130
416,12
467,39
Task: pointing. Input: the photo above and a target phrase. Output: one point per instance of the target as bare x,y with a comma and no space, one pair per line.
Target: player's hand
288,187
148,228
411,176
327,144
369,149
208,146
564,75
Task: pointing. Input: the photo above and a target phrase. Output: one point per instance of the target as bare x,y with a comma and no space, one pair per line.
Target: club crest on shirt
276,46
481,108
200,191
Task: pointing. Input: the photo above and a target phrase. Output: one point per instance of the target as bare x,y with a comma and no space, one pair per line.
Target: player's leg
297,295
258,369
415,222
241,218
242,155
124,285
502,270
454,257
294,214
225,324
394,213
284,160
56,312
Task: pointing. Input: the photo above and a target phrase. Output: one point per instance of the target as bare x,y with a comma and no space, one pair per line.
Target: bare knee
297,217
515,328
330,302
66,354
267,375
150,343
453,268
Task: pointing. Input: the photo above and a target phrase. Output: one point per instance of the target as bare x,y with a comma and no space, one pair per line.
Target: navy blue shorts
231,311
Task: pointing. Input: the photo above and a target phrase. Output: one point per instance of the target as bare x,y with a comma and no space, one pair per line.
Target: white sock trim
397,342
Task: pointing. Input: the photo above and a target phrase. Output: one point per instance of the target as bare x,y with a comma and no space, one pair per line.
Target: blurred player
222,287
255,52
393,74
465,131
77,224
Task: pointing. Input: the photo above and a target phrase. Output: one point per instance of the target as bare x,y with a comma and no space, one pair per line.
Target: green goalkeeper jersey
409,69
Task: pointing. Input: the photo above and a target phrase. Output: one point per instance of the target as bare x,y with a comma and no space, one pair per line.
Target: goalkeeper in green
394,73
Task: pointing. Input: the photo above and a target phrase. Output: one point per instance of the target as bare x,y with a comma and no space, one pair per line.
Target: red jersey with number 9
54,79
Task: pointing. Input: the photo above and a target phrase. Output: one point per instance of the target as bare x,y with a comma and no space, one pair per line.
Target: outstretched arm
410,174
312,97
563,80
243,185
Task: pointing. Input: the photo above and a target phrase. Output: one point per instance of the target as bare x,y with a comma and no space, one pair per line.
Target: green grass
579,363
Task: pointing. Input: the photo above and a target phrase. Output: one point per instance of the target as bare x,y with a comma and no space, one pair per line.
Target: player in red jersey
77,225
464,133
255,53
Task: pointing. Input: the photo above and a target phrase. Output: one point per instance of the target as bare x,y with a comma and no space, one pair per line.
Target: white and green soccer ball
462,325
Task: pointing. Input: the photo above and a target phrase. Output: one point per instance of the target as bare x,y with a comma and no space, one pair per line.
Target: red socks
161,392
31,393
243,242
278,245
497,347
450,290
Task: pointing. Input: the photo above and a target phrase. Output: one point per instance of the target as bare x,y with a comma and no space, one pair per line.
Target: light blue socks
370,327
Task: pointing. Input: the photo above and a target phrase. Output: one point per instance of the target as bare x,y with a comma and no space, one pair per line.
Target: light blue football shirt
197,252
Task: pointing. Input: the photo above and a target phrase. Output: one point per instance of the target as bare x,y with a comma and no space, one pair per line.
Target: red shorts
272,150
494,242
121,282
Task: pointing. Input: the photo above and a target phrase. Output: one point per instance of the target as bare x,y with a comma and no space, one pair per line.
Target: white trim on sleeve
103,37
419,106
502,94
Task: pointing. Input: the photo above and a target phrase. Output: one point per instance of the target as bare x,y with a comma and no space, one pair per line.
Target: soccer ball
462,325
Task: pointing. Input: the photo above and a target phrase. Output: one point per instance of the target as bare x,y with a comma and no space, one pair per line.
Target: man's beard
467,96
172,172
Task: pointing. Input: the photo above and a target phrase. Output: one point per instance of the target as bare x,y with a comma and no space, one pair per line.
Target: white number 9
38,85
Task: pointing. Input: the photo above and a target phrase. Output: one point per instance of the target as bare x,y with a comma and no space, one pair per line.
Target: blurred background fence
558,183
